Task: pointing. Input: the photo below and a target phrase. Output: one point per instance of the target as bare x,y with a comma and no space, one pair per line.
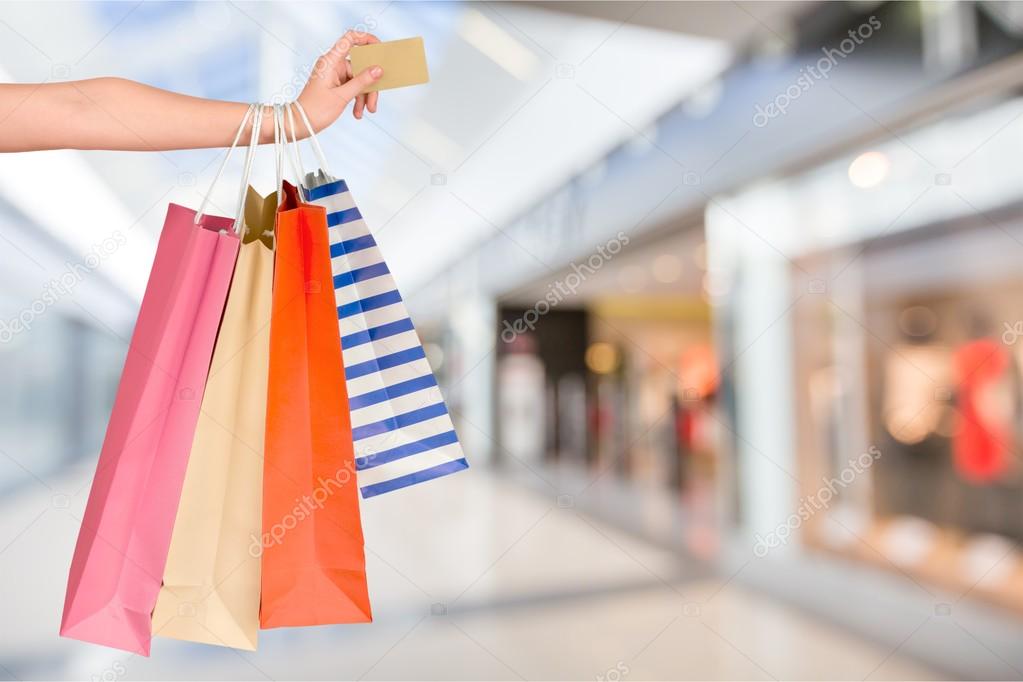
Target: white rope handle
223,164
313,141
278,156
279,132
257,129
281,142
291,150
296,149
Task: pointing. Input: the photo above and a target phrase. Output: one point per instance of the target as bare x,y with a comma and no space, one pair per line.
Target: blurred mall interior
725,298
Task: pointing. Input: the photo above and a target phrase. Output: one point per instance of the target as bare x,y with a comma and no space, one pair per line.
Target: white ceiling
521,99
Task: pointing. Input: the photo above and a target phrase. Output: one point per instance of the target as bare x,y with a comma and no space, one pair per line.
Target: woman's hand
332,84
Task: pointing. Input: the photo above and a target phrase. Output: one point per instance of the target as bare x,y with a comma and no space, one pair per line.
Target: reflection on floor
472,578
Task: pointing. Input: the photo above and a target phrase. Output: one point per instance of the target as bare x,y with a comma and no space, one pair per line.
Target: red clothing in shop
982,445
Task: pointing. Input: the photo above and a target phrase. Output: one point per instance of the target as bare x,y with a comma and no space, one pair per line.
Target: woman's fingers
355,85
350,39
334,71
354,90
357,106
332,67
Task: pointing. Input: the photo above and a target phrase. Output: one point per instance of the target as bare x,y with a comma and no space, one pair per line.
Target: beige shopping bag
211,583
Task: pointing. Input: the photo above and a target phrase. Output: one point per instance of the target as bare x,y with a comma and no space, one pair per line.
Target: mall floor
472,578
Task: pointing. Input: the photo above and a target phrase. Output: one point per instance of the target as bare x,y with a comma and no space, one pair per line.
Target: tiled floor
472,578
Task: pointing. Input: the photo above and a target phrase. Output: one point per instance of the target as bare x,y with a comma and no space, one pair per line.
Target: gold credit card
403,62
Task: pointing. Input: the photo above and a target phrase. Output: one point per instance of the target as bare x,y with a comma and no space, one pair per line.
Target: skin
119,114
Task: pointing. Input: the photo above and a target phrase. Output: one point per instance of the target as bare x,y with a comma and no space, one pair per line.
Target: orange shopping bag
313,561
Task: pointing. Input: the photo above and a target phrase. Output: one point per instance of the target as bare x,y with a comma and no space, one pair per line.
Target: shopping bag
211,585
402,431
314,566
119,558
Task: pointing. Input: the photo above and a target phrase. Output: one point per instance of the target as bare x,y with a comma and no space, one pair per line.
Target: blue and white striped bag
401,428
400,425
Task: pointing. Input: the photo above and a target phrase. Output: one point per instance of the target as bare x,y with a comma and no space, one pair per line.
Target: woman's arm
114,113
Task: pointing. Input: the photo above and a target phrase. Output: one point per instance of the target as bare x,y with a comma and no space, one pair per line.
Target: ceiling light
602,358
869,169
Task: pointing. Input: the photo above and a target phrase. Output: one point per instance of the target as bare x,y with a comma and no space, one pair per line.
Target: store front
942,403
900,397
619,383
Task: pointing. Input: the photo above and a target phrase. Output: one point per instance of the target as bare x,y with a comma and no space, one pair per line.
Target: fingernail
376,72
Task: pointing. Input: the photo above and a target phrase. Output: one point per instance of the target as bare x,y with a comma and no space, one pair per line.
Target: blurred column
950,38
470,381
752,276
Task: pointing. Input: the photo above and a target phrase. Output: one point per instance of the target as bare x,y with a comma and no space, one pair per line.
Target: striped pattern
401,427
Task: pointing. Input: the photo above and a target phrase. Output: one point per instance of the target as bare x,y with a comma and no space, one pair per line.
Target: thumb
356,84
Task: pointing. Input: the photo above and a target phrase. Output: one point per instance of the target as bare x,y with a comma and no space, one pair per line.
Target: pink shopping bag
122,546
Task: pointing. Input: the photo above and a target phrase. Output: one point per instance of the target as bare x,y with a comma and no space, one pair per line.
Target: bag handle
295,150
278,154
223,164
313,140
294,157
250,153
